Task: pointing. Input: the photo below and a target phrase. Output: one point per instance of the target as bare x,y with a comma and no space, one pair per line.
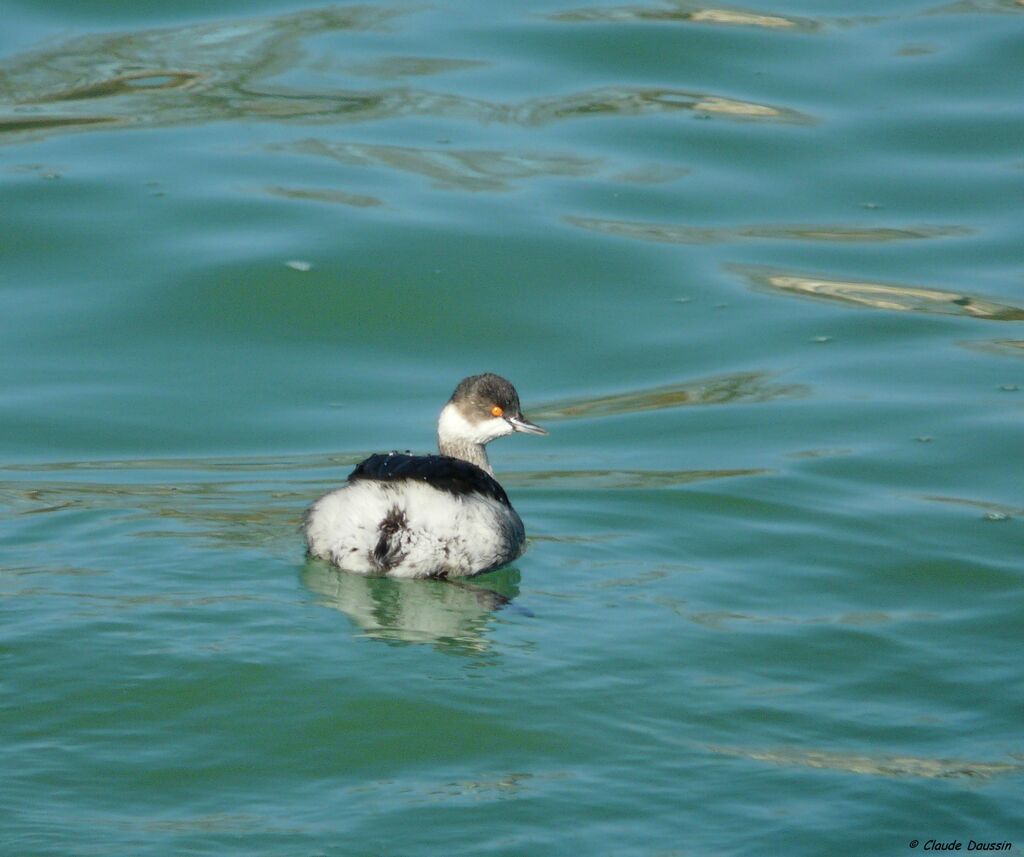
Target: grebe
429,515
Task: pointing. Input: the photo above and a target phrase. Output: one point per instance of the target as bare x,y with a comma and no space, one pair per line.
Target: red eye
497,411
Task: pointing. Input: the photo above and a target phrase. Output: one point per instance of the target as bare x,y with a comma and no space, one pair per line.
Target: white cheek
493,428
486,431
453,425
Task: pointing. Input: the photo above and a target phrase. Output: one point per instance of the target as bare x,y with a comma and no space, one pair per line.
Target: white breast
425,532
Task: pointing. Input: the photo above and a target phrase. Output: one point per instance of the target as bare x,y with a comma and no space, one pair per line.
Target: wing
440,471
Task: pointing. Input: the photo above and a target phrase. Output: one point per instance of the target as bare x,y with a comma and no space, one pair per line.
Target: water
757,269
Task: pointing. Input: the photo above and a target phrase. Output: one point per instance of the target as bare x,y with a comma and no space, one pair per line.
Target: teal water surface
757,269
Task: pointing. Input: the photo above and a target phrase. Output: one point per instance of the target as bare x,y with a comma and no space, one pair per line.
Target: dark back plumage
442,472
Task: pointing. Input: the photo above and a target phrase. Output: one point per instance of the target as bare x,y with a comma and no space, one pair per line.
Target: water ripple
225,70
1014,347
13,124
880,295
669,233
992,511
634,101
464,169
388,68
330,195
120,84
973,7
688,13
741,387
875,765
240,464
604,480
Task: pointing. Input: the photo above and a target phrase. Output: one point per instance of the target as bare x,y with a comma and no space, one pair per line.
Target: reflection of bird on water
439,516
451,615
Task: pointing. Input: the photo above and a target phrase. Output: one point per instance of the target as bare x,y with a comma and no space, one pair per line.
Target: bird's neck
474,453
459,438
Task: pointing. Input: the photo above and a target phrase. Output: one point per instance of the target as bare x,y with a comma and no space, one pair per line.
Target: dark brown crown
477,394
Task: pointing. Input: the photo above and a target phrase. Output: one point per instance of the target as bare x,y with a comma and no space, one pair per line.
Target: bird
429,516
